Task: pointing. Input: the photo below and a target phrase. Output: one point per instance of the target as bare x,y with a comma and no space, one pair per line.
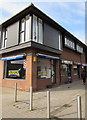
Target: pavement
63,102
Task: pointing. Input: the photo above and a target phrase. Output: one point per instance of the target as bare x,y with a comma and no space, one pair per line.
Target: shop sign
84,64
67,62
79,49
69,43
77,63
34,59
75,66
42,74
13,73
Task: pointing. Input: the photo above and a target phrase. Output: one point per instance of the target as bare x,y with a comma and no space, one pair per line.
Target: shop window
15,69
75,70
4,38
64,70
37,30
43,68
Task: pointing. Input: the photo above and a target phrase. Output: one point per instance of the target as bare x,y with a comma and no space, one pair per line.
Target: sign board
13,73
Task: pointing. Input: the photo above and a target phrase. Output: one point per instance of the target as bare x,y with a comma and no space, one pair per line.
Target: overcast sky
70,14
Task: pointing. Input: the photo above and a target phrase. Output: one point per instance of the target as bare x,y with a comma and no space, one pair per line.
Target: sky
70,14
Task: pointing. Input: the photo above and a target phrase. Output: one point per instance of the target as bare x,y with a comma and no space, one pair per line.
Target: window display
15,69
75,70
64,70
43,68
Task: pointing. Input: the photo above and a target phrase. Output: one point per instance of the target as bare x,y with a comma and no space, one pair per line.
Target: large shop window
43,68
15,69
64,70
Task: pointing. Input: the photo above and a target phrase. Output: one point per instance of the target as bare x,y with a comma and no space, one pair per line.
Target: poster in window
13,73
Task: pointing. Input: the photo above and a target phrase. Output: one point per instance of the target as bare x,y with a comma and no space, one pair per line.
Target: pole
31,99
48,104
15,92
79,114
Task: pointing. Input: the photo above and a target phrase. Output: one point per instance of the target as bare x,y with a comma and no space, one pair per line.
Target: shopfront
14,67
84,66
66,70
47,70
77,70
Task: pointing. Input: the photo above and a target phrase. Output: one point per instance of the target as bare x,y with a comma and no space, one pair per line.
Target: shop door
78,70
69,69
53,72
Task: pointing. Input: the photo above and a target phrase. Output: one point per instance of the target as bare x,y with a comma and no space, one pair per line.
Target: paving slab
63,100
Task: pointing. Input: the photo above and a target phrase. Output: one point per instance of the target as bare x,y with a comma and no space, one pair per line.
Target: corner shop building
38,52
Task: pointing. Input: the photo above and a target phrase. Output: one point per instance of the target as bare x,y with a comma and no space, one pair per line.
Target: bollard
31,99
15,92
48,104
79,112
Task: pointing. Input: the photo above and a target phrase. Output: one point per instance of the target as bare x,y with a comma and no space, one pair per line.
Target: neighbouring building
36,51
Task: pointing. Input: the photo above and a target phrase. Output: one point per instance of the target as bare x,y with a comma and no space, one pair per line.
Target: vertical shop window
75,70
4,38
15,69
25,29
64,70
43,68
37,30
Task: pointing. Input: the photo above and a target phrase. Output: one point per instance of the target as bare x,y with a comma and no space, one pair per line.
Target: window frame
39,24
6,70
4,38
60,47
24,31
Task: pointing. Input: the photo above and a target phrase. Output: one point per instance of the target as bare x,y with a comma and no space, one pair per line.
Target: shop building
36,51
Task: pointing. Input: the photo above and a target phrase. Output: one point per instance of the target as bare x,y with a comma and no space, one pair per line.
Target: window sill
14,79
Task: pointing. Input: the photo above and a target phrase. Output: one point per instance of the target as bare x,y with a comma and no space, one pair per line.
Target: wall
68,54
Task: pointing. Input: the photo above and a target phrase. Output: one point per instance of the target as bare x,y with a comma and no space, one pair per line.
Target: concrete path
63,102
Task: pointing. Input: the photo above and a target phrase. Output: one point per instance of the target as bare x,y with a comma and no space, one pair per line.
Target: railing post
79,111
31,99
48,104
15,92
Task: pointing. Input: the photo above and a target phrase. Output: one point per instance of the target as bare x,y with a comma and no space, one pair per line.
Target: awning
47,56
84,64
12,57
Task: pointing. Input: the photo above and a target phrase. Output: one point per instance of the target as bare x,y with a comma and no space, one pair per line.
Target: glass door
53,71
